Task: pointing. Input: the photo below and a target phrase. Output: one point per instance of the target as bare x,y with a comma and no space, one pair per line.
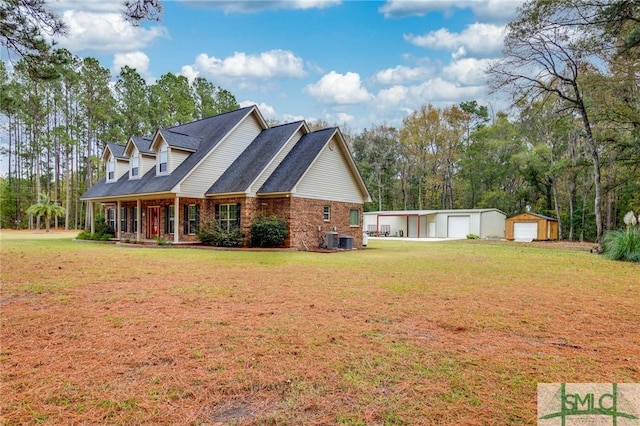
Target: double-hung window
163,158
135,163
111,218
111,168
228,216
193,219
354,217
170,219
326,213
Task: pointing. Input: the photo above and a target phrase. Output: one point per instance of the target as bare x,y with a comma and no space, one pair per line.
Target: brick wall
303,216
307,216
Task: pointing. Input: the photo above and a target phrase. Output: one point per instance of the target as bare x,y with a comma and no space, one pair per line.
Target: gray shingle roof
286,176
180,140
248,166
117,150
211,130
143,145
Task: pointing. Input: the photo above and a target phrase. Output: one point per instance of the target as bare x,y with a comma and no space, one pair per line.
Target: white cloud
483,39
467,71
436,91
266,109
460,53
266,65
343,117
485,10
291,118
105,32
402,74
137,60
335,88
392,96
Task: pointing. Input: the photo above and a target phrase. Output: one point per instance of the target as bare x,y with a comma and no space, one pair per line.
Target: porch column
118,220
139,219
92,221
176,220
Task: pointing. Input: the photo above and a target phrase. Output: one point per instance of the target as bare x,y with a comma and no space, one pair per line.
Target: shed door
527,231
458,226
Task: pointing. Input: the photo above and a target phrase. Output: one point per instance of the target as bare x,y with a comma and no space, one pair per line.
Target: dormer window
135,163
163,158
111,169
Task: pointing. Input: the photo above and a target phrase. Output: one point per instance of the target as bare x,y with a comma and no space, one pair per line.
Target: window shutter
185,220
238,215
216,214
124,219
197,218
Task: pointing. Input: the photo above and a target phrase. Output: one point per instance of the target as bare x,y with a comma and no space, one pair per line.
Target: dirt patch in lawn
453,333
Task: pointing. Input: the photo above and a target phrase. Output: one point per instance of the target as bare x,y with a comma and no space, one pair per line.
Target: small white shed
486,223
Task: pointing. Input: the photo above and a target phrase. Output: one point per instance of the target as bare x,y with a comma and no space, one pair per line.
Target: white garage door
458,226
525,231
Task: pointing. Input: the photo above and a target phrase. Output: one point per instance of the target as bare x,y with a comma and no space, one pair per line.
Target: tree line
569,147
56,124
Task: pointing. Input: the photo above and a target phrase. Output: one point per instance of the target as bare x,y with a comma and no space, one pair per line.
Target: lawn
455,332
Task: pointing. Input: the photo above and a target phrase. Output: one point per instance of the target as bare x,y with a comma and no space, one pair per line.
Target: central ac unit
331,240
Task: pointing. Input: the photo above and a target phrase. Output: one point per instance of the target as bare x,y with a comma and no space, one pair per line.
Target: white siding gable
176,157
330,177
220,158
147,162
275,162
122,168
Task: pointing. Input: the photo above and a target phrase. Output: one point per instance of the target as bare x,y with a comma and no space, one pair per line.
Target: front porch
158,221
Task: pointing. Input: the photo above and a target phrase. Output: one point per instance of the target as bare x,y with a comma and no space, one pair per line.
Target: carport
486,223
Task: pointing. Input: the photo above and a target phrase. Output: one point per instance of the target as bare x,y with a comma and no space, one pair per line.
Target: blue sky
351,63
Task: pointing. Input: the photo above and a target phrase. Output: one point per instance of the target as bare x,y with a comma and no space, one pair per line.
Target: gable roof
116,150
180,140
538,215
211,131
297,162
253,160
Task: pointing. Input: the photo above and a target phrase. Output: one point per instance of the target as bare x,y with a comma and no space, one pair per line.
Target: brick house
230,168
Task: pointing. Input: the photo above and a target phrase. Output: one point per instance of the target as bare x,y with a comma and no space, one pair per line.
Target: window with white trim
354,217
326,214
228,216
163,158
135,163
193,219
171,219
111,168
111,218
134,219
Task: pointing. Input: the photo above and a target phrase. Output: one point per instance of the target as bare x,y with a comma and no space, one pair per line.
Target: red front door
153,222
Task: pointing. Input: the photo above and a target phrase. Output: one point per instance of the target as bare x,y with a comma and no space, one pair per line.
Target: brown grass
398,333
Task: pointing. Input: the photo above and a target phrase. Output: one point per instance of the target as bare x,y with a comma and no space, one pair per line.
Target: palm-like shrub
623,245
47,209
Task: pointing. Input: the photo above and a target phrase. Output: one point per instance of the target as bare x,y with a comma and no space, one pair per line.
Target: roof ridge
210,117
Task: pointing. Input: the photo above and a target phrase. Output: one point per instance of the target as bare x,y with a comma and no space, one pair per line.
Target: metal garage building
487,223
